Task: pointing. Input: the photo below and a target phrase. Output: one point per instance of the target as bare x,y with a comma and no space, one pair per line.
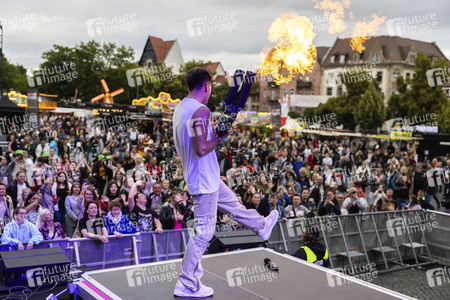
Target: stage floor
232,275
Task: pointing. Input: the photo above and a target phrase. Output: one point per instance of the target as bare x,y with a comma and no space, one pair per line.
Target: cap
44,154
100,157
19,152
108,157
162,162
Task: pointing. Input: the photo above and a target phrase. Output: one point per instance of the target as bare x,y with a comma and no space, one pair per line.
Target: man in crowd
20,232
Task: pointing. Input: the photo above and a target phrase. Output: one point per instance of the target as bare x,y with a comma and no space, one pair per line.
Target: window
395,75
306,92
284,92
412,58
291,92
375,57
330,78
332,59
265,93
339,91
329,91
356,57
312,91
273,94
408,75
313,78
379,76
342,59
300,92
264,107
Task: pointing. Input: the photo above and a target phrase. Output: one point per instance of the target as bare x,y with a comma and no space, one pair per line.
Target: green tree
418,98
14,77
371,111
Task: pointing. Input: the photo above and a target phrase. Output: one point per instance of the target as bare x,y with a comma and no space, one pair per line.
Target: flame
334,12
362,29
294,50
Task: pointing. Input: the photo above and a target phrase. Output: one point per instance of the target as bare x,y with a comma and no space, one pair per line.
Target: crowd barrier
404,238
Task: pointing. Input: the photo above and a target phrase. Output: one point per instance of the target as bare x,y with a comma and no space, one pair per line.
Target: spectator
92,225
296,210
32,207
60,191
176,211
302,179
6,170
305,201
157,198
16,187
401,183
50,230
43,147
6,206
340,200
73,203
414,203
116,222
354,203
387,202
274,202
329,206
376,181
145,218
255,203
21,233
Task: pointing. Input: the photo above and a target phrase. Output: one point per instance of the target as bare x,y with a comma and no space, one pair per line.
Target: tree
418,98
14,77
371,111
347,105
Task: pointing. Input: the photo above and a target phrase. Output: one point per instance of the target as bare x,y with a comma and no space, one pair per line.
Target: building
385,58
307,84
219,74
158,50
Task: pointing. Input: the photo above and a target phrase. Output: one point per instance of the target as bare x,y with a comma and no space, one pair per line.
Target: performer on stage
195,141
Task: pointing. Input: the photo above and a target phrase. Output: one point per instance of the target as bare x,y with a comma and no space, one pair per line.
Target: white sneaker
269,223
182,291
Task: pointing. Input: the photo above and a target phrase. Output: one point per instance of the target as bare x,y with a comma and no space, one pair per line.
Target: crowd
74,177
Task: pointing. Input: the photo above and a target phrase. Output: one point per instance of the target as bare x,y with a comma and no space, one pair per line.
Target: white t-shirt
202,174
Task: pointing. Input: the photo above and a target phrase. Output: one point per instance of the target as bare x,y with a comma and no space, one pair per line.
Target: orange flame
334,12
362,29
294,50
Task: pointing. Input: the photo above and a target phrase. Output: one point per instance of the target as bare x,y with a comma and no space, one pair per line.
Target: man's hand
20,246
29,246
159,230
104,239
118,234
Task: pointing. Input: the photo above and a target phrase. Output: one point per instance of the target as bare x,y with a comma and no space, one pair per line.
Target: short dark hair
17,209
196,77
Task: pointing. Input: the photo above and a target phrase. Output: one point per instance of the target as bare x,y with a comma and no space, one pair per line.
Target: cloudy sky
31,27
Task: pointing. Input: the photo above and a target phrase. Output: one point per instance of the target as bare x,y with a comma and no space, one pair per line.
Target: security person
313,251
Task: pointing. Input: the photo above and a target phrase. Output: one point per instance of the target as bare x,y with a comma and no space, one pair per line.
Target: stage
232,275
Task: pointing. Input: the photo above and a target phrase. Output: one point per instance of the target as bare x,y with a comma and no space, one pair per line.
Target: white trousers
205,210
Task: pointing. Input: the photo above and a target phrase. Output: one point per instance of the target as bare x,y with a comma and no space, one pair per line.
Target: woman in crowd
60,190
32,207
92,225
128,162
340,200
23,197
176,211
116,222
112,193
354,203
73,203
65,162
261,207
49,229
330,205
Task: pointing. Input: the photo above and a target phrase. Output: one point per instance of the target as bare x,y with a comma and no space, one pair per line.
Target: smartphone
85,181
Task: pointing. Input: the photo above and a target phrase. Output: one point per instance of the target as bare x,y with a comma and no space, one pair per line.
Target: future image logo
211,24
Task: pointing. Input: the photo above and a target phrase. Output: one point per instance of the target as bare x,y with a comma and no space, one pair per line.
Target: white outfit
202,176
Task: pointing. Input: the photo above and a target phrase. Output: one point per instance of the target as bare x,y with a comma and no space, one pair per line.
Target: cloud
65,23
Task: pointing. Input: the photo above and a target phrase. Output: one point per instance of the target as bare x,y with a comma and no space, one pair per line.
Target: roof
161,47
321,52
213,66
9,106
155,49
393,48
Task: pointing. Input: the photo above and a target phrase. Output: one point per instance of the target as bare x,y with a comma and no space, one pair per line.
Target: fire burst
334,12
294,50
362,29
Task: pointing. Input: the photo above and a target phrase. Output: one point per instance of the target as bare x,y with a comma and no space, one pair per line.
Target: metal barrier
438,238
399,239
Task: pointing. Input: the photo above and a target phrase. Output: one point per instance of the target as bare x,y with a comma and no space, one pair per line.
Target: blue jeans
402,202
426,204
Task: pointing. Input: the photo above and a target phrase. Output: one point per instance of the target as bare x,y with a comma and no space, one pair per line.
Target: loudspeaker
234,240
36,267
